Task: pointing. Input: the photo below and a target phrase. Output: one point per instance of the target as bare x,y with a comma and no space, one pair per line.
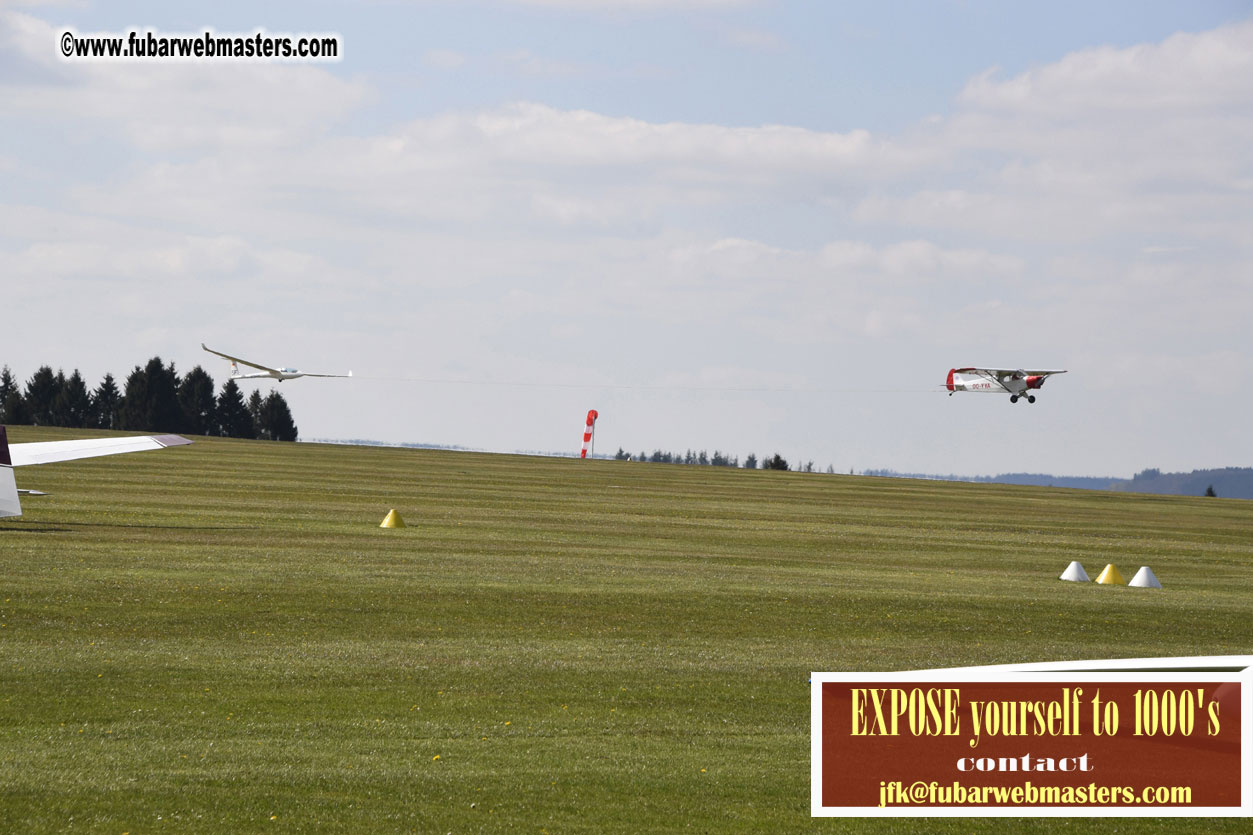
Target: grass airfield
219,637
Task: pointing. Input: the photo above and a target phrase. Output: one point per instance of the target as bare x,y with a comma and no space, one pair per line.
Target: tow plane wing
50,452
1014,382
264,371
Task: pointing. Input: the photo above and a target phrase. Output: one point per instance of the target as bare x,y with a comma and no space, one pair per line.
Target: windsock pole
588,430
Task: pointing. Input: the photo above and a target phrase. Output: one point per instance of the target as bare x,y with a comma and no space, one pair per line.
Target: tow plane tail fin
9,503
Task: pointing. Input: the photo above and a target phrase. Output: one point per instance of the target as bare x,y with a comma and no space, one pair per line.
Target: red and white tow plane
1016,383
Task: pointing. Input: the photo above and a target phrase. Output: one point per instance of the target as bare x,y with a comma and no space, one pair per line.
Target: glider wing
241,361
50,452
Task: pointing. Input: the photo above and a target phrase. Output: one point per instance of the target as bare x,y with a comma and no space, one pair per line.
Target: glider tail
9,504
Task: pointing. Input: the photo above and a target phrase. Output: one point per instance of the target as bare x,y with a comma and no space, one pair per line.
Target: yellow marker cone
393,520
1110,576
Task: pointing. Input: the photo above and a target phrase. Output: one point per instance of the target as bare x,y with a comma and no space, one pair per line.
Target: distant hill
1029,479
1042,480
1229,483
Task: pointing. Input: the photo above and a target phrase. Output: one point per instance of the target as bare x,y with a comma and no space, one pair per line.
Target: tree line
718,459
154,398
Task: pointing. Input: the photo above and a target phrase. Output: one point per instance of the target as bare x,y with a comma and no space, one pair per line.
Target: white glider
50,452
279,374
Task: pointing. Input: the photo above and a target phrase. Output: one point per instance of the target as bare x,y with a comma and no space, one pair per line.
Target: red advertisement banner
1118,743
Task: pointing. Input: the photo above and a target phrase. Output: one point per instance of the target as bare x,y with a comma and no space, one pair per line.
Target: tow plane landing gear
1013,398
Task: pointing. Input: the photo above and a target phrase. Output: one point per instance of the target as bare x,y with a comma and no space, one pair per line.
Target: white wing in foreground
50,452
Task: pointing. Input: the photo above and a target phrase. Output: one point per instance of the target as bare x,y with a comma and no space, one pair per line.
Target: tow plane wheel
1013,398
1030,398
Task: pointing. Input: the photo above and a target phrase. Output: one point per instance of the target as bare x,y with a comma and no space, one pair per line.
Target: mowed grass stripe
219,637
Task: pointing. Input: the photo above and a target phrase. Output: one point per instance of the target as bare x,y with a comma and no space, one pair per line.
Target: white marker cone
1145,579
1075,573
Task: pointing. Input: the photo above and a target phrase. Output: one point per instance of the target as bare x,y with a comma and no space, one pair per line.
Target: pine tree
8,386
106,405
197,403
72,405
151,399
276,420
15,409
750,462
41,390
233,419
167,416
778,462
133,409
254,409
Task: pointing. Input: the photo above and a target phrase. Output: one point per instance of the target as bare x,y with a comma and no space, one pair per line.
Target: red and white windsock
592,414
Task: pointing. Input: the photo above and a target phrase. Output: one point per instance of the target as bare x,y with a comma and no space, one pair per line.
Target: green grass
221,638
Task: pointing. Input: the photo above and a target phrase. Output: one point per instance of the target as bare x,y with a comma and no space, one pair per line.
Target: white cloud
757,40
1144,142
444,59
169,106
1185,72
526,62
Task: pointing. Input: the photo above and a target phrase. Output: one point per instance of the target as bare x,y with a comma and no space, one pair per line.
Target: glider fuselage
279,374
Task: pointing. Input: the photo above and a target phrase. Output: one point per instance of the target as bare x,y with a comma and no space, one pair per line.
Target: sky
754,227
